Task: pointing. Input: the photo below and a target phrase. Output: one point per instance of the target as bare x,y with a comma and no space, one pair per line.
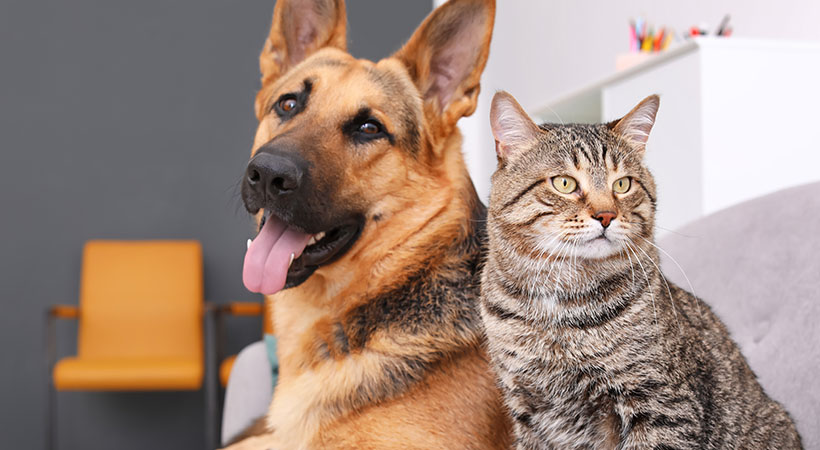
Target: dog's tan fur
413,382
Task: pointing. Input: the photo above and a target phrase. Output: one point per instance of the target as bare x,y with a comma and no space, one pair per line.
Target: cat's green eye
564,184
622,185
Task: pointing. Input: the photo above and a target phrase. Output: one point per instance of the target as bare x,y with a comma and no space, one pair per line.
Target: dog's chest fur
379,350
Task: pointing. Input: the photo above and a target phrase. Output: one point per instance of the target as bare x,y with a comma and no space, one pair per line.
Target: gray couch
757,264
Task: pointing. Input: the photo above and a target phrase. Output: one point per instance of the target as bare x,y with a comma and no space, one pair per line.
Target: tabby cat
592,346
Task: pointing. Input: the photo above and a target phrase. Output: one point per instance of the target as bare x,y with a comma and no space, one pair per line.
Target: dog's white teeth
249,242
316,238
292,257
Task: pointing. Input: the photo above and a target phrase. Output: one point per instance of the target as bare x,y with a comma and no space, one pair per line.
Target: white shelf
738,119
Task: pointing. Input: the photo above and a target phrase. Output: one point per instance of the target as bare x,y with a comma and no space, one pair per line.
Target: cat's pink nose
604,217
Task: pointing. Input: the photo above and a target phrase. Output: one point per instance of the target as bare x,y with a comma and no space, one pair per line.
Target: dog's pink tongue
268,257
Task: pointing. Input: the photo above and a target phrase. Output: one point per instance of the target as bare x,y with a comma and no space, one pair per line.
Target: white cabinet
738,119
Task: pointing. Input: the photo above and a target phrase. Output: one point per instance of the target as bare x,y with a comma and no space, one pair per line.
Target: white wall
543,50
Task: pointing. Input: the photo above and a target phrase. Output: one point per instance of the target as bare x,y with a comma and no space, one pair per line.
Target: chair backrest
141,299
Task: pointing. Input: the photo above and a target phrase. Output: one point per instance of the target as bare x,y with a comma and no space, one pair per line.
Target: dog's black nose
273,174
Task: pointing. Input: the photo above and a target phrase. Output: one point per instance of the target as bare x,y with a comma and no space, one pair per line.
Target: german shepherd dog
371,235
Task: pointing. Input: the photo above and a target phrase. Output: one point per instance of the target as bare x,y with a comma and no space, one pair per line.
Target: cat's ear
636,125
299,29
513,129
445,58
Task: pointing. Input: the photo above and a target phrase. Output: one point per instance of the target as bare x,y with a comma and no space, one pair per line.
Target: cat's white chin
598,248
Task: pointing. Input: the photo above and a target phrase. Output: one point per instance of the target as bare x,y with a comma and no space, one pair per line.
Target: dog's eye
287,104
363,128
290,104
370,127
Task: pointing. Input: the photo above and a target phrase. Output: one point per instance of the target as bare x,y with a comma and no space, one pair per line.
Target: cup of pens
646,41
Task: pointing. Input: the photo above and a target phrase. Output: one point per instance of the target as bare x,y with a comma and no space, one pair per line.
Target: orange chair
140,324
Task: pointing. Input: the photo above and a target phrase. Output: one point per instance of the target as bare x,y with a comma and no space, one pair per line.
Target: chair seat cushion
128,374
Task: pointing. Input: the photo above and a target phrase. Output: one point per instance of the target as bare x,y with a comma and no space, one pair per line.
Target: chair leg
211,384
211,419
51,420
50,415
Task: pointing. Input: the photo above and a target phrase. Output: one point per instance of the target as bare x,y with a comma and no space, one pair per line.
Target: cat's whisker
577,249
536,266
552,266
549,244
669,230
691,288
540,262
544,256
631,265
564,253
648,286
571,262
574,272
575,263
651,289
559,262
668,290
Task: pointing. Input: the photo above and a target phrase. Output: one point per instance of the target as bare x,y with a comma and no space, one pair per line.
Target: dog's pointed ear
513,130
299,28
636,124
445,58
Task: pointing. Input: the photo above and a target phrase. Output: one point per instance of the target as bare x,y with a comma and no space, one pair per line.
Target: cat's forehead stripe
587,145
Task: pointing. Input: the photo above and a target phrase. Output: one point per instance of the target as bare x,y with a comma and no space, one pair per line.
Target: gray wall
128,119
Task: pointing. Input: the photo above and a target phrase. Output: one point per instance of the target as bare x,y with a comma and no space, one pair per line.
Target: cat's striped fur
592,346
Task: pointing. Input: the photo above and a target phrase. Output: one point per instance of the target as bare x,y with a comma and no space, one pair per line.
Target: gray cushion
249,391
758,265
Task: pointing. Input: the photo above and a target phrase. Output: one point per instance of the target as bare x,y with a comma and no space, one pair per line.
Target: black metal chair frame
213,336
